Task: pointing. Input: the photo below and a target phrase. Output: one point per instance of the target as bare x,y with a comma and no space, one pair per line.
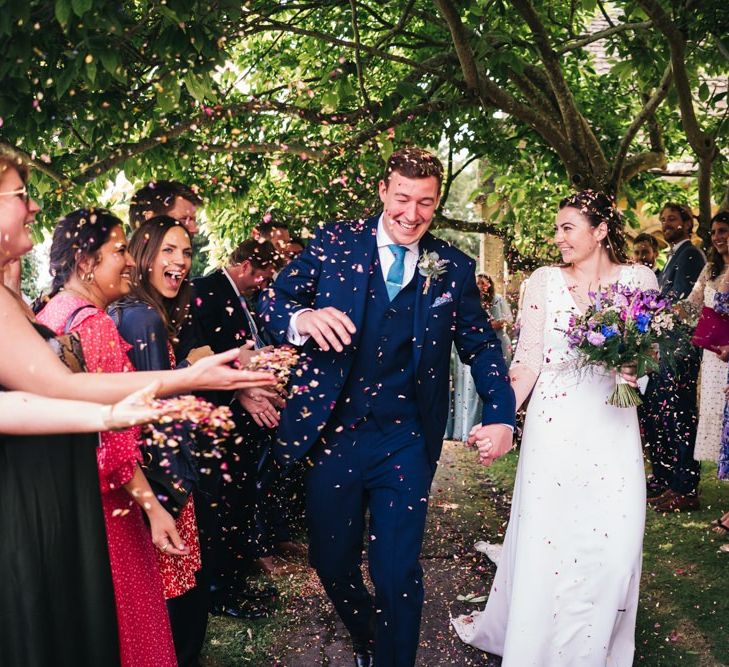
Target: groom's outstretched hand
329,327
491,440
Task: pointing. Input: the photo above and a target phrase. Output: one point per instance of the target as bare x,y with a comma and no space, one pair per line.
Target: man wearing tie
668,413
377,304
221,319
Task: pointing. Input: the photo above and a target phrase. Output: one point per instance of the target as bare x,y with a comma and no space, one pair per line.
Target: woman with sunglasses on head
91,268
57,600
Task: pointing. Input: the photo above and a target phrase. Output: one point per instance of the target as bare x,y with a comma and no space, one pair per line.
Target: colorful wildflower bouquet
623,326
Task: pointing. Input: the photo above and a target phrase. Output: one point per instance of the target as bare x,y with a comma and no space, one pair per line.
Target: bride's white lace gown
566,589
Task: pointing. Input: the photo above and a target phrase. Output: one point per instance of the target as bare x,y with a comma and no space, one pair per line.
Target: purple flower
595,338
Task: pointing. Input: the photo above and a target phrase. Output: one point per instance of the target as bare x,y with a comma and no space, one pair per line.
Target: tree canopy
292,105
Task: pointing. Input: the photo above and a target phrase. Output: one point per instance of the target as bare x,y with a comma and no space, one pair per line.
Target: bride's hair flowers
623,326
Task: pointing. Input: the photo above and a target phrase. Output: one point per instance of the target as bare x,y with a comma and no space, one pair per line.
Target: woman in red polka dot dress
91,269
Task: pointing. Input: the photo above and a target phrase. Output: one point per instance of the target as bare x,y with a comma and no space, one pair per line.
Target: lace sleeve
696,298
530,347
644,278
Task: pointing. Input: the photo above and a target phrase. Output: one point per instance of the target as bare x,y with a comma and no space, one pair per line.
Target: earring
88,277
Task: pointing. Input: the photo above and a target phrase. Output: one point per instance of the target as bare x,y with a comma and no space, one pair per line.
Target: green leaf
91,71
63,11
704,92
194,86
64,79
408,89
80,7
386,147
168,95
110,61
168,14
329,100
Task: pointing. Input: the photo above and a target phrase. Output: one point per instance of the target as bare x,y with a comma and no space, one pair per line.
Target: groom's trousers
387,472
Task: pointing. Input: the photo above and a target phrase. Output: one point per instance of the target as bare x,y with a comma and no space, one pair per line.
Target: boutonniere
431,266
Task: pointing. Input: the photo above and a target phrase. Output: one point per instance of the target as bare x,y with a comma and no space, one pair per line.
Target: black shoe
364,659
244,611
258,594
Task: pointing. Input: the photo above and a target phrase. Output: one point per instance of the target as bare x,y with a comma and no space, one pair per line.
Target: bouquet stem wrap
624,396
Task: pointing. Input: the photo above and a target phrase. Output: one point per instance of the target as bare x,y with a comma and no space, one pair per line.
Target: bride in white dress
566,588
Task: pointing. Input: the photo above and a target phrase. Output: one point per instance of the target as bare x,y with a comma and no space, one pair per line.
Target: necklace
81,295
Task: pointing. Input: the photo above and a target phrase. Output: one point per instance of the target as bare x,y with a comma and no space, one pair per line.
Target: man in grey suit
668,414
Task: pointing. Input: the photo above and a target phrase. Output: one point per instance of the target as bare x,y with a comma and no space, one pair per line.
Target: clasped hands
263,404
491,440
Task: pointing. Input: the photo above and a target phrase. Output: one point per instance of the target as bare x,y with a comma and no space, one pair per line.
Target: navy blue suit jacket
681,272
334,271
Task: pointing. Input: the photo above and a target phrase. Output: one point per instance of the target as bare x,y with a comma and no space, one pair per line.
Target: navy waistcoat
381,381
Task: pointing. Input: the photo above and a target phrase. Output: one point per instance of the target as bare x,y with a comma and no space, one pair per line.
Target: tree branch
441,221
27,160
602,34
449,177
265,148
635,164
492,94
703,143
379,53
532,92
648,110
704,186
565,99
397,119
358,60
398,27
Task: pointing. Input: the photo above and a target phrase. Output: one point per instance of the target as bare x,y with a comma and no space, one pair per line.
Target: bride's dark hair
599,207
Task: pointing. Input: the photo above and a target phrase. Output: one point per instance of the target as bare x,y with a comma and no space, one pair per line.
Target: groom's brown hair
414,162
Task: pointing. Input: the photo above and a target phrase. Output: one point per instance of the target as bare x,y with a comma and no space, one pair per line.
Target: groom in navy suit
377,304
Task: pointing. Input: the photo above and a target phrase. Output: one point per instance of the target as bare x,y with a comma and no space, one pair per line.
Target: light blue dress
466,406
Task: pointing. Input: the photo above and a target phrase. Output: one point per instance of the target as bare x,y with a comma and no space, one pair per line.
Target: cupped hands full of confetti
279,361
216,422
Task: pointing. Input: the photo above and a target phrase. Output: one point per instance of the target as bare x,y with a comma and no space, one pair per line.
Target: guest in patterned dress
149,319
713,368
91,268
719,234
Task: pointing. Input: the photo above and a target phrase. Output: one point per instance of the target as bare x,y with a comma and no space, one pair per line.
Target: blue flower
609,332
643,322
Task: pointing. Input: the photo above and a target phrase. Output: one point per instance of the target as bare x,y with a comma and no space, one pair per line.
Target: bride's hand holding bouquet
620,331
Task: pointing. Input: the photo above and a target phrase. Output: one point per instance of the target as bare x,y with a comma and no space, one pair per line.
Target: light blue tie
397,270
